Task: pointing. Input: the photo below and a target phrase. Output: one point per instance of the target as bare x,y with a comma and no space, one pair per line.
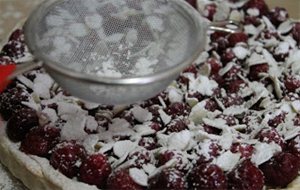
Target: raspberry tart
230,121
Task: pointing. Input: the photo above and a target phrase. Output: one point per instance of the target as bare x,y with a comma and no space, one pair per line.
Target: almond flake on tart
230,121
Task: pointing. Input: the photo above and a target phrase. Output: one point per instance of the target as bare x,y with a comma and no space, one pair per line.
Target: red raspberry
66,157
227,56
235,86
246,150
232,100
176,125
178,109
256,70
220,45
230,120
246,176
281,170
21,123
196,95
156,126
207,176
40,141
270,135
278,15
232,74
292,83
293,146
214,64
218,78
95,170
191,69
211,105
258,4
235,38
168,178
274,122
148,143
168,155
218,34
11,101
297,120
296,32
14,49
140,158
210,10
17,35
121,180
252,20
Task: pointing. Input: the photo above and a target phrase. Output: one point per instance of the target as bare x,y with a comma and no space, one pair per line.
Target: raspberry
246,150
214,64
232,74
156,126
230,120
218,34
140,158
257,4
245,176
176,125
296,32
256,70
168,178
252,20
17,35
168,155
40,141
274,122
292,83
21,123
66,156
121,180
293,146
234,86
196,95
227,56
207,176
178,109
191,69
232,100
220,45
280,170
11,101
14,49
210,10
235,38
148,143
278,15
211,105
270,135
95,170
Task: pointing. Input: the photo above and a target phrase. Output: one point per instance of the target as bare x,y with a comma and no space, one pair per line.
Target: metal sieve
115,51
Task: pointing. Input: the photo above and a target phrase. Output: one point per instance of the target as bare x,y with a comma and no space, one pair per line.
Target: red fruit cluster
40,141
281,170
95,170
246,176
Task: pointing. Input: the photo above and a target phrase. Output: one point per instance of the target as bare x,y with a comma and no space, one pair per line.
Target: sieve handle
224,26
9,72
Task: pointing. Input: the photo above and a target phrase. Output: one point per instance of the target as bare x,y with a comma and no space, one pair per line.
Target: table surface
12,11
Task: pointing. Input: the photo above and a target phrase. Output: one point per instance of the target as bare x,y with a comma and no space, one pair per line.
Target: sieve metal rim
139,80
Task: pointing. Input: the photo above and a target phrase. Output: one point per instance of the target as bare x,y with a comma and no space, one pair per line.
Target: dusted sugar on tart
230,121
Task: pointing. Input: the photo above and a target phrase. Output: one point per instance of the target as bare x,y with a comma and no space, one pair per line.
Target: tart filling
230,121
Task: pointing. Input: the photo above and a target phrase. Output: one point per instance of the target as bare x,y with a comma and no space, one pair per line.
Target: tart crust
33,171
36,173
